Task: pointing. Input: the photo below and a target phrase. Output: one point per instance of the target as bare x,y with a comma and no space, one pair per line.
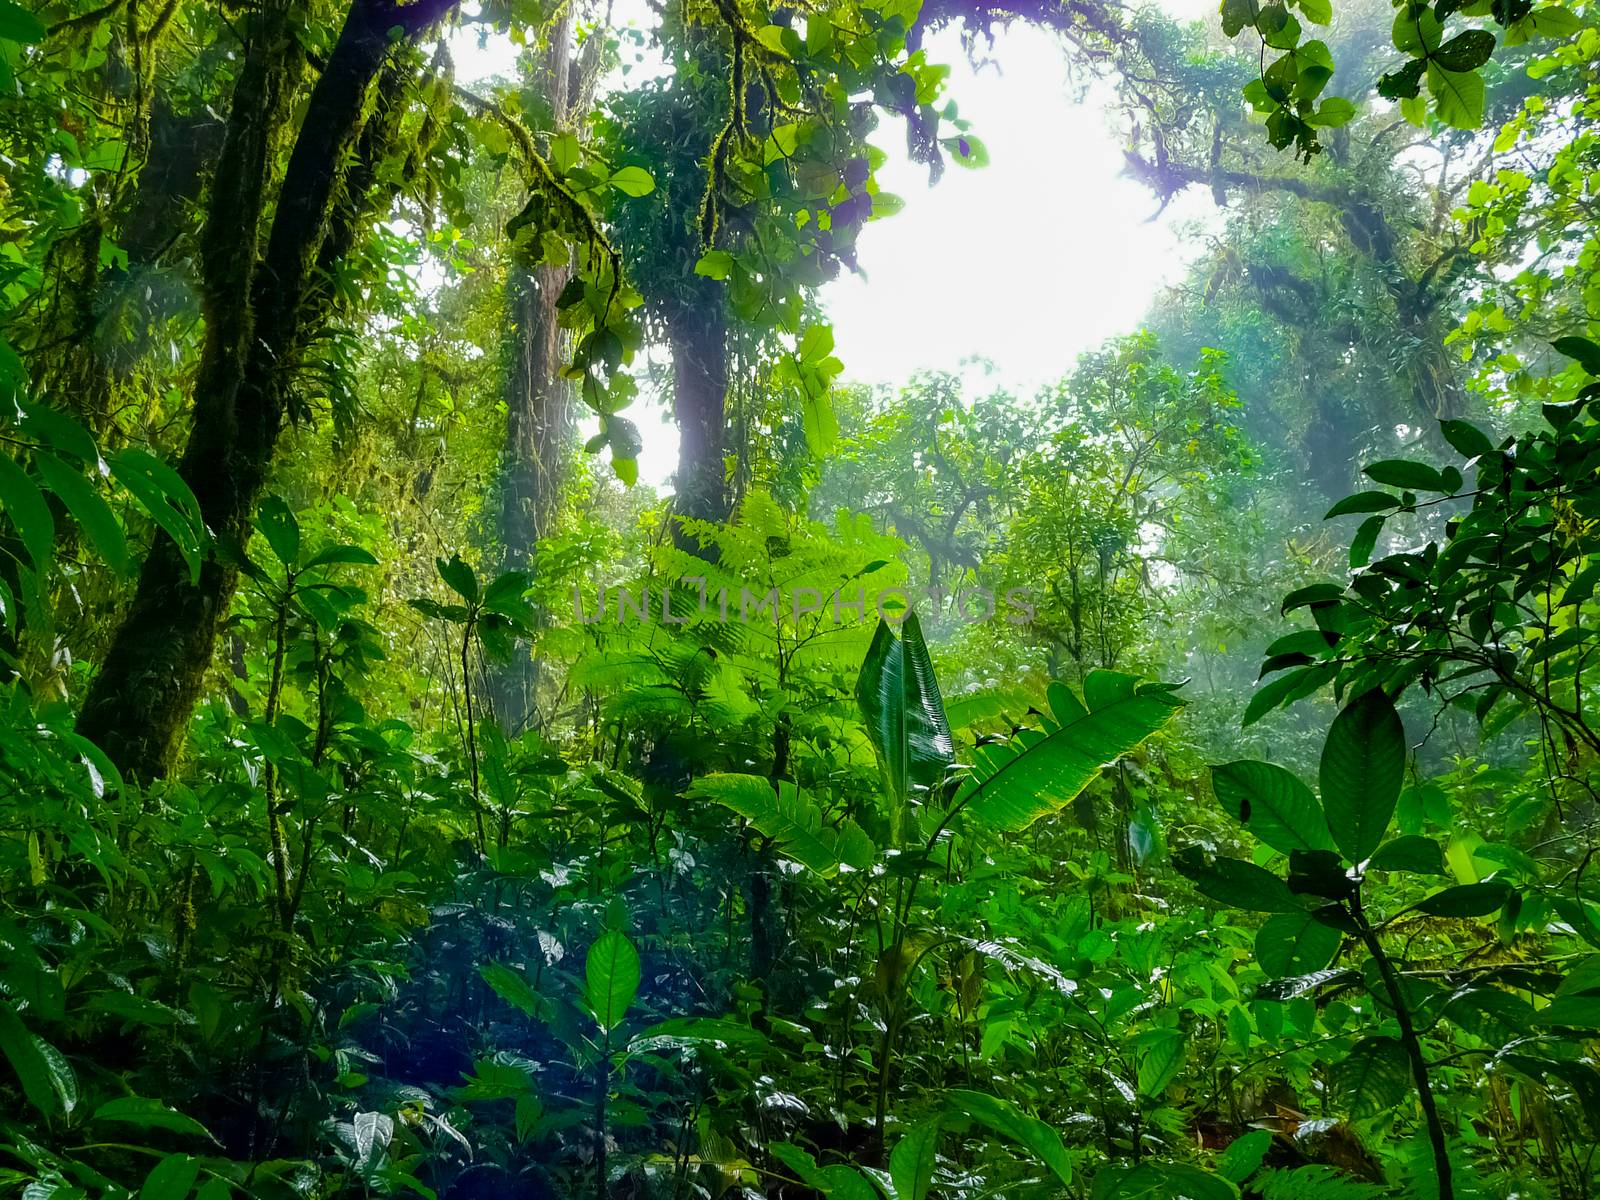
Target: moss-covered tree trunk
699,341
541,425
256,317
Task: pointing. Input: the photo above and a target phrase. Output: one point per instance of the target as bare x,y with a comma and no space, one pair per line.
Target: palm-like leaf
792,821
1015,783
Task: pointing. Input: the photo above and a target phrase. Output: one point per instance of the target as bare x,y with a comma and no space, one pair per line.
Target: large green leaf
92,513
172,1178
1236,883
1272,804
29,514
1014,784
17,24
899,699
144,1113
1374,1076
911,1165
277,524
611,978
47,1080
1160,1181
792,821
836,1182
1363,766
1289,944
166,498
1465,900
1009,1121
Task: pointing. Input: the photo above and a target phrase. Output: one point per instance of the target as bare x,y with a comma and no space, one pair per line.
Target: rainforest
799,599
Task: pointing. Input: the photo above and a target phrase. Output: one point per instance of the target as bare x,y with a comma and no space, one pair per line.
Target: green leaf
771,36
791,820
835,1182
1363,766
632,181
611,975
1160,1181
459,577
30,516
680,1033
1332,113
1362,502
278,526
1290,944
1417,31
818,420
1244,1155
1009,1121
143,1113
165,498
1572,1012
1373,1077
1496,1016
1412,853
17,24
1286,689
1272,804
1236,14
1364,542
1404,82
505,595
1470,441
47,1080
1313,595
1318,12
171,1179
1236,883
56,430
500,1076
714,264
1585,352
898,695
1465,900
1457,95
967,151
1466,51
1160,1058
1015,784
1412,476
511,987
92,513
915,1155
1553,21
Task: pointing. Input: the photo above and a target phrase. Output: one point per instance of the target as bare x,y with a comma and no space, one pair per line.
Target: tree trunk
699,340
541,426
141,700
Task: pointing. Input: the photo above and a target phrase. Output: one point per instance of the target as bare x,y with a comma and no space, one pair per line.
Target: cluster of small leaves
1493,614
1450,63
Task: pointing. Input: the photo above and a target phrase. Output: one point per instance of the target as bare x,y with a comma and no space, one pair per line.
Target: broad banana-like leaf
899,699
1037,773
792,821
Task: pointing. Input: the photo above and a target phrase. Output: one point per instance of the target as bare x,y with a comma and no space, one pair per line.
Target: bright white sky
1027,262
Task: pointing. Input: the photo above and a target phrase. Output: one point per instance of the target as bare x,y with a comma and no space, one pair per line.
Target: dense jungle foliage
1177,782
